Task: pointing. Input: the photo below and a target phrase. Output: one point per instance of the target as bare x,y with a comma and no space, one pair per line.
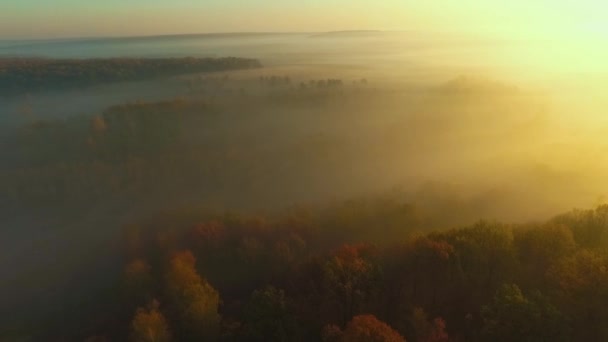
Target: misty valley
315,195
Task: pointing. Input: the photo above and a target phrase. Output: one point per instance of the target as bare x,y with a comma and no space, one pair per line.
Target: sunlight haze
573,34
516,19
321,170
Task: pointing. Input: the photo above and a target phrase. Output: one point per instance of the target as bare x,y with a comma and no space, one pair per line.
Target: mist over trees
276,278
240,203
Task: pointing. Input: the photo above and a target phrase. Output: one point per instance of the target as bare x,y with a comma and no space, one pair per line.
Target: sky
514,18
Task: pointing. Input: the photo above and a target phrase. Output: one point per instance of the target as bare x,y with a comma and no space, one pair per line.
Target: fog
454,125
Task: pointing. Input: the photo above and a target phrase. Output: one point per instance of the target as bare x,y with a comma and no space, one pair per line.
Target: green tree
513,317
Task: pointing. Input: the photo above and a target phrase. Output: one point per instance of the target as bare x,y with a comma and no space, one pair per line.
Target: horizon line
169,35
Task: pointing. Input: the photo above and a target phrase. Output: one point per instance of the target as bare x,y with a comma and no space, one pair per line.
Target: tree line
304,275
23,75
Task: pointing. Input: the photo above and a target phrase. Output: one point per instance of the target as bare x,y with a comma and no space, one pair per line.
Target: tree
367,328
268,317
589,227
149,325
539,248
193,301
485,255
513,317
350,278
428,331
581,284
430,264
331,333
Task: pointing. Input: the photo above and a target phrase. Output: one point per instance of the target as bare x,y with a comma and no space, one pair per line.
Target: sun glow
596,30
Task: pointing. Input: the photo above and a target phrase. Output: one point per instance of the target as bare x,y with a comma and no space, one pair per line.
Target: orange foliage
149,325
367,328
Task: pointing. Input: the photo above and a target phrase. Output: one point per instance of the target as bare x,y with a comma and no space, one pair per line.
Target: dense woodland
329,275
241,259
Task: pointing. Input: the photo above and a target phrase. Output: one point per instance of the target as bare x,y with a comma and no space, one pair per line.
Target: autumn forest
323,192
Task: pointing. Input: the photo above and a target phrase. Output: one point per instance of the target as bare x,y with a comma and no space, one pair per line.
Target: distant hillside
345,34
462,85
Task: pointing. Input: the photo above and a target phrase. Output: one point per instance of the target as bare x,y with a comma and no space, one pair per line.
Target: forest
226,201
342,274
303,171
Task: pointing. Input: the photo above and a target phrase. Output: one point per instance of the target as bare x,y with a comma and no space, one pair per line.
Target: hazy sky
72,18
